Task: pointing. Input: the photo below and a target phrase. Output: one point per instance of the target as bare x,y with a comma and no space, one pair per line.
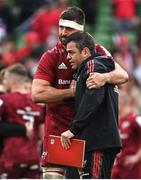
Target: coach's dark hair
74,14
82,40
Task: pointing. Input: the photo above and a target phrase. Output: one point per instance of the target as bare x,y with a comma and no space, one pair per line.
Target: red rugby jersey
19,108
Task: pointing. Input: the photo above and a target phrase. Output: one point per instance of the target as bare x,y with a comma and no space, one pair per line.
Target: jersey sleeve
46,67
102,51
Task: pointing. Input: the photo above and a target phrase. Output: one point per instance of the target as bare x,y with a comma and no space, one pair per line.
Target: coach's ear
86,52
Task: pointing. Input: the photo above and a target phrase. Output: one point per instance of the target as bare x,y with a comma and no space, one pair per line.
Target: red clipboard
56,154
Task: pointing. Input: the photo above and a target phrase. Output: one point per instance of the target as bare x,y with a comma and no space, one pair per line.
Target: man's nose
64,31
68,57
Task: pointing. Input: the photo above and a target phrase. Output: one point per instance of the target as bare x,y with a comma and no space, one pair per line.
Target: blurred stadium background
30,27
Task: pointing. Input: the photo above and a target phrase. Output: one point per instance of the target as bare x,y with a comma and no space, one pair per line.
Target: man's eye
71,53
69,29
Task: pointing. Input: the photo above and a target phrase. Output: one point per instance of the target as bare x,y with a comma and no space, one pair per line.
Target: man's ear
85,52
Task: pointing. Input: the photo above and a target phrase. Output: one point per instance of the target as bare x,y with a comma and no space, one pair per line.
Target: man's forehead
71,45
67,27
71,24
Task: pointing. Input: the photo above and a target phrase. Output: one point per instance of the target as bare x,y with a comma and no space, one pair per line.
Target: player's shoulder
6,98
13,96
102,50
58,48
57,51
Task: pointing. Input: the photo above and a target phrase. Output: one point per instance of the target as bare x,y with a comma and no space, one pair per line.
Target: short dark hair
17,69
82,40
73,14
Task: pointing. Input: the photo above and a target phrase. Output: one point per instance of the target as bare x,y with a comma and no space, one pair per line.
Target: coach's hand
66,139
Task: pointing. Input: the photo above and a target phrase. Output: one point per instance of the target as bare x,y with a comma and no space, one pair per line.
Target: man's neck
19,89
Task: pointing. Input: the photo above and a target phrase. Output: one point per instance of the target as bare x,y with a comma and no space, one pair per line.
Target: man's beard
63,39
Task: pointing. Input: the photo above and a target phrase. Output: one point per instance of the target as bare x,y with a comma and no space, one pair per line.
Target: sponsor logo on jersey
62,66
61,81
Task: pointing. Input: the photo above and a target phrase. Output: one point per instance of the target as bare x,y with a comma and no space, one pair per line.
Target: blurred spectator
52,38
8,47
125,15
137,69
30,48
23,9
128,162
138,38
32,41
46,18
136,95
31,65
6,17
3,32
130,88
123,53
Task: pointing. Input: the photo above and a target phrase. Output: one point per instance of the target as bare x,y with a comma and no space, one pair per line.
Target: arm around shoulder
117,76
